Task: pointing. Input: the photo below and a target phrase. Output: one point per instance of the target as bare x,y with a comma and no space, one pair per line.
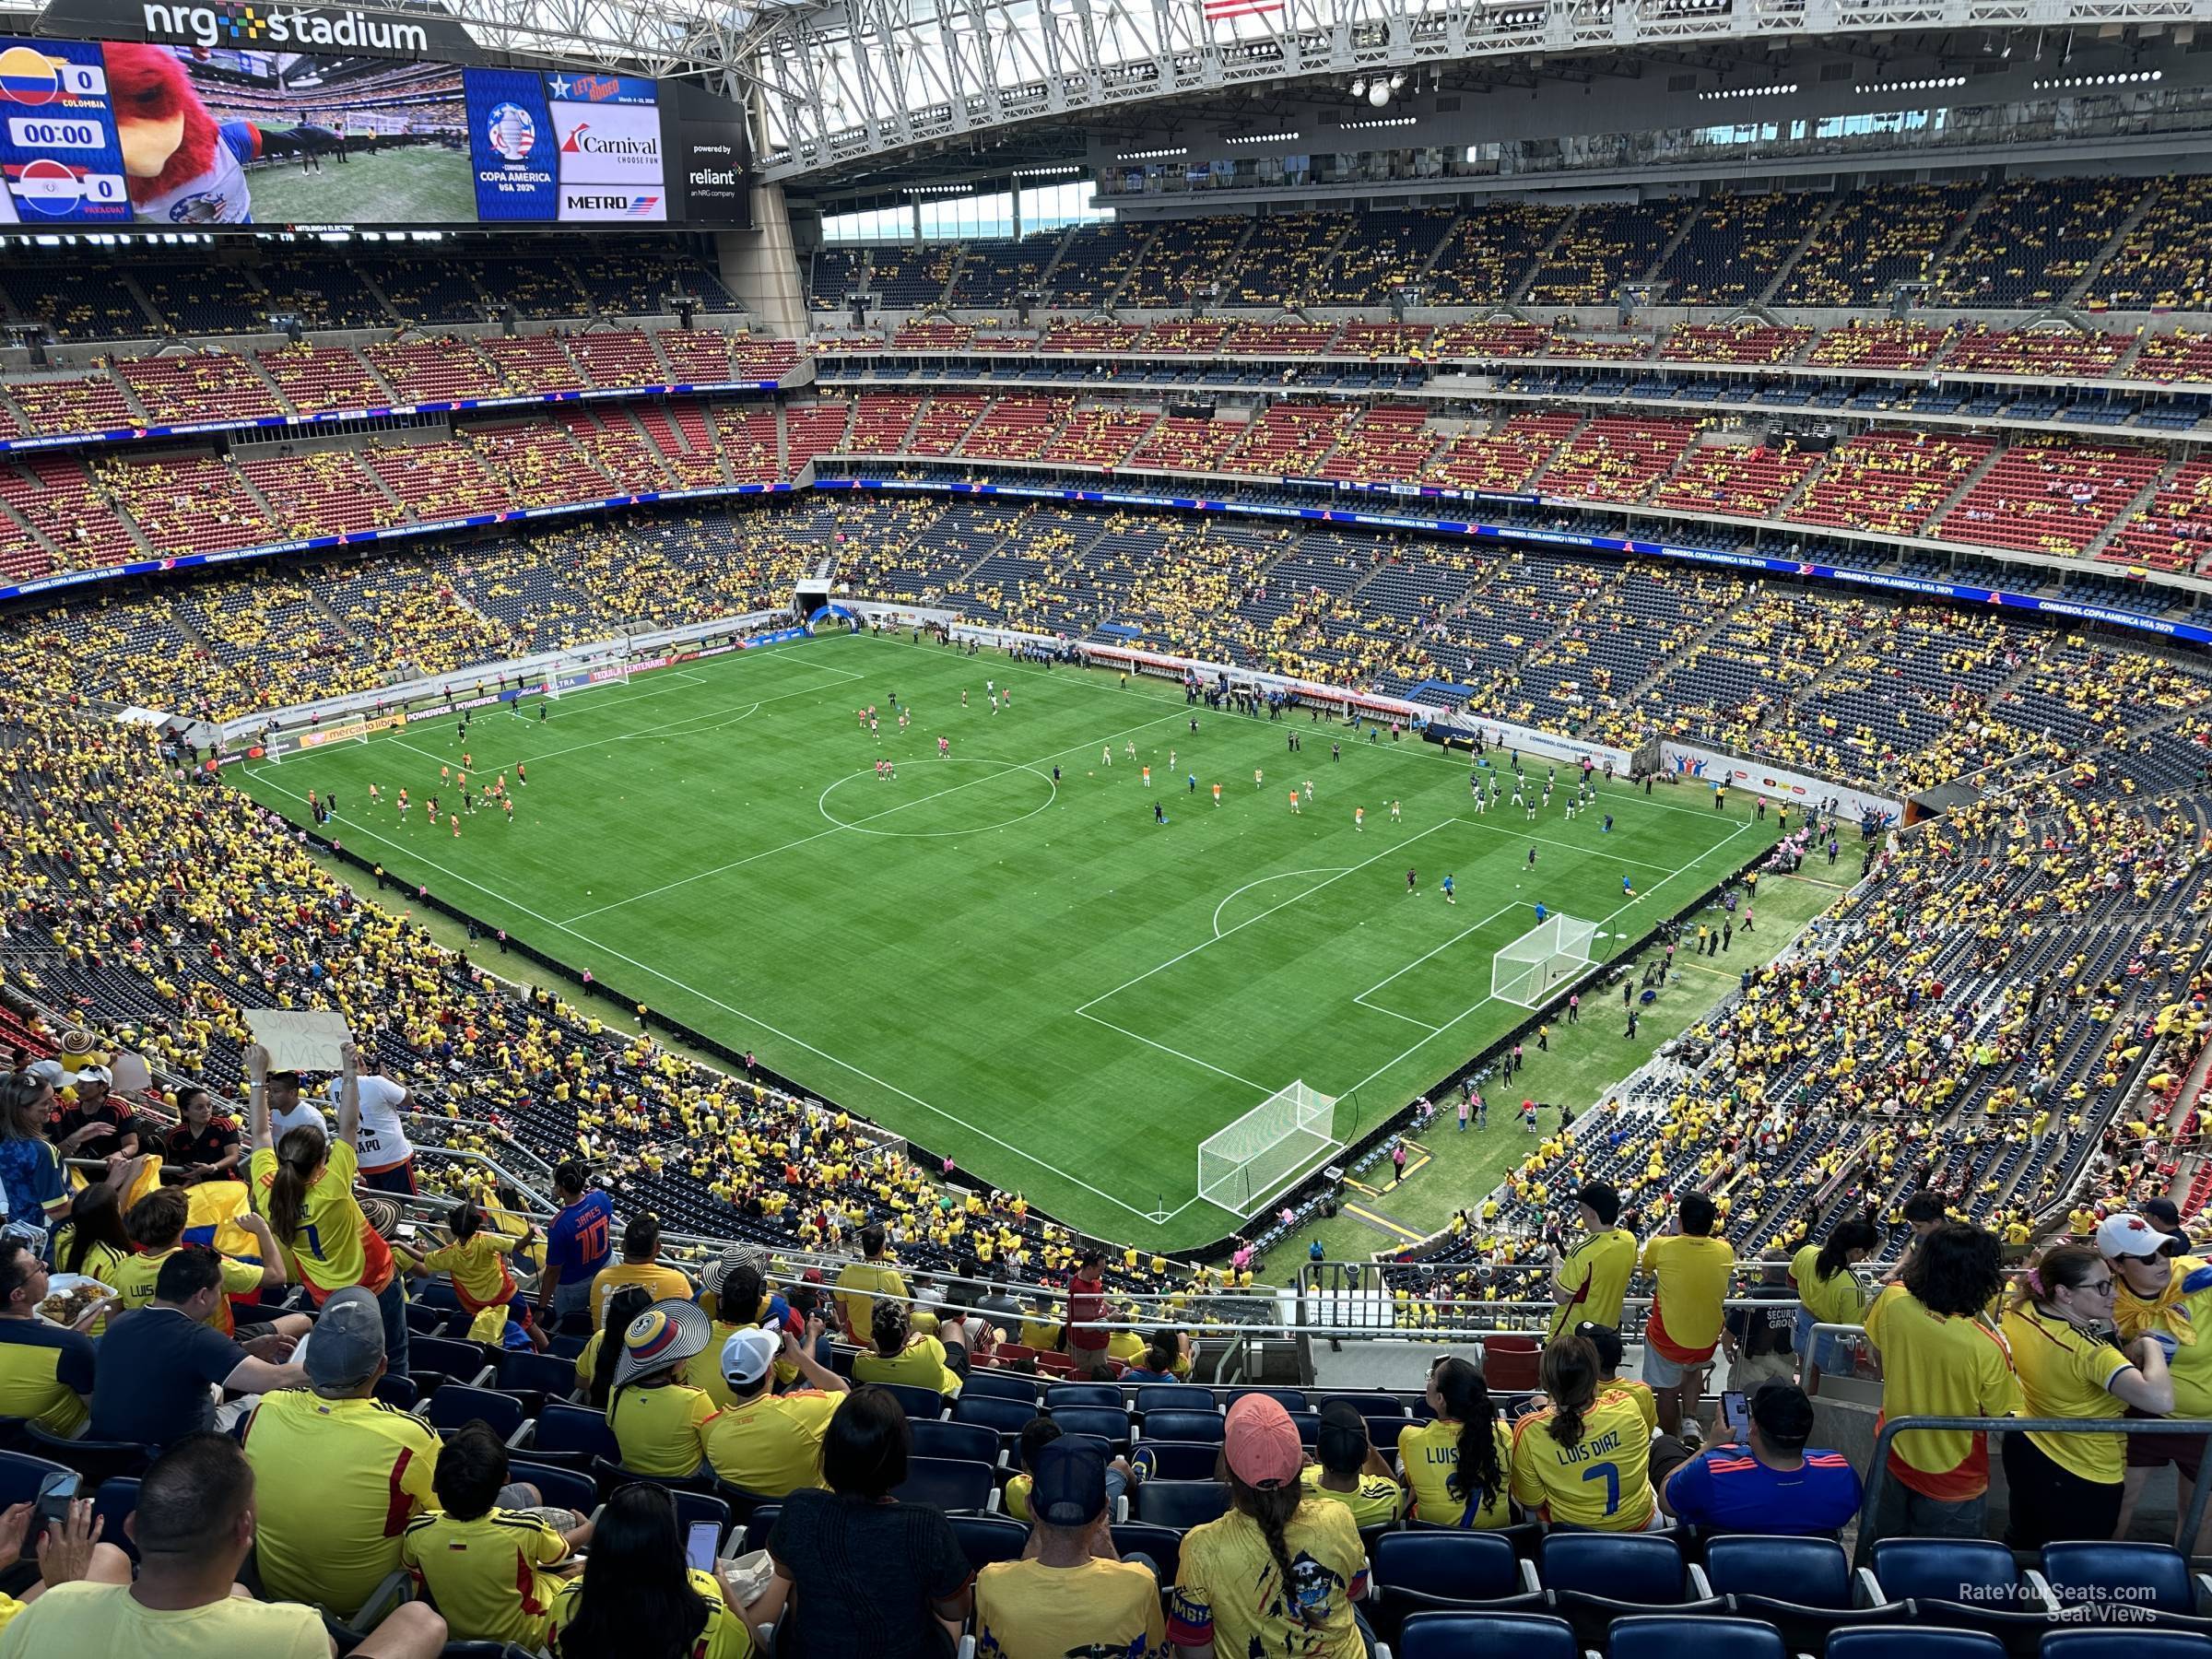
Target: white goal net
281,744
1528,971
589,669
1246,1164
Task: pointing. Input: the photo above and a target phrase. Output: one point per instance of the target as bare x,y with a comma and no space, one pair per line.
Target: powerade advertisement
208,137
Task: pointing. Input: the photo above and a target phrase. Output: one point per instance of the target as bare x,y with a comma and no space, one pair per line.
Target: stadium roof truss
849,81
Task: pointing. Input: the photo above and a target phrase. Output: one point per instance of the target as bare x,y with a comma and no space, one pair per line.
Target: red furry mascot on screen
184,166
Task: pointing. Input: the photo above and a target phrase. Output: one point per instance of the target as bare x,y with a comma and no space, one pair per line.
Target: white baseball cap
2127,1234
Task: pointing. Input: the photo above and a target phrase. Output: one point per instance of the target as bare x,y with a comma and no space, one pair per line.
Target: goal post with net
1256,1157
1529,969
284,743
585,670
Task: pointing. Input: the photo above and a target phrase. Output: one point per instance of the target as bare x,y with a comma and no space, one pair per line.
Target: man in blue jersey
1766,1481
579,1242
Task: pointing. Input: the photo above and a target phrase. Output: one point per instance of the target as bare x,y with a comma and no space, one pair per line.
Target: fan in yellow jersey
478,1261
305,1185
491,1570
2069,1485
1691,1269
194,1526
338,1474
1590,1281
1829,1293
637,1600
766,1442
658,1419
1607,1341
904,1355
2163,1291
157,1224
1940,1359
1352,1471
1582,1459
1456,1465
1278,1573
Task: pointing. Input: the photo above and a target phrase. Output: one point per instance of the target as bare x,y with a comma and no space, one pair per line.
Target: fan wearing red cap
1279,1573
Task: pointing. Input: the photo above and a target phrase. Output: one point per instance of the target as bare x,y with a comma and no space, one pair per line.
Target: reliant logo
583,141
714,175
235,24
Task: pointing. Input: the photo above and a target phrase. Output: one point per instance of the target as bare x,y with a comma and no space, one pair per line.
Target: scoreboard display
112,133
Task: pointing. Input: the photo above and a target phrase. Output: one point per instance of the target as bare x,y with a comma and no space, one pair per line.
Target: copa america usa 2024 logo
512,133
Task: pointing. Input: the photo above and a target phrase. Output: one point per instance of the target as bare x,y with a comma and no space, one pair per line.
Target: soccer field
420,184
1034,977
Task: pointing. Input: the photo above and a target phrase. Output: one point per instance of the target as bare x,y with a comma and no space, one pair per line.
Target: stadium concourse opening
1006,909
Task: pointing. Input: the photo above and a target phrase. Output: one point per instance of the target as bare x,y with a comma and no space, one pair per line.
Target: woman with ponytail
2059,1326
903,1355
1583,1457
1279,1573
304,1185
596,1364
1457,1463
1829,1293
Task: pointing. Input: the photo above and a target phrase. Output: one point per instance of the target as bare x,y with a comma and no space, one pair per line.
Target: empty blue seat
1815,1571
1457,1635
1082,1394
1111,1425
573,1436
457,1403
1001,1417
921,1405
1174,1396
1969,1583
1190,1427
1177,1460
2119,1640
971,1441
1598,1578
1447,1571
1289,1399
947,1483
2138,1577
22,1473
1000,1385
1804,1587
1181,1504
1913,1642
1675,1636
546,1374
441,1356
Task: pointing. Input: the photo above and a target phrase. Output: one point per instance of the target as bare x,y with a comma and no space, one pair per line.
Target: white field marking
1456,938
1052,793
1619,786
822,1054
622,737
1389,852
1485,1001
1262,881
835,826
1163,1048
717,723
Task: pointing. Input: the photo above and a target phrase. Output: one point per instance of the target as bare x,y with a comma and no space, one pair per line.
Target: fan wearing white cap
95,1124
2163,1292
767,1442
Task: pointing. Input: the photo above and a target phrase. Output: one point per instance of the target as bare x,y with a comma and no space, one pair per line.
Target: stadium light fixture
1360,88
1378,94
1170,153
1290,137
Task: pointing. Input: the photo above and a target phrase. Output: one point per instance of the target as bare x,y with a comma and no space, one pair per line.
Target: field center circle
883,818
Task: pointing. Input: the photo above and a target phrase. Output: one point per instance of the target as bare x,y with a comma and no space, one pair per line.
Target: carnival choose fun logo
244,25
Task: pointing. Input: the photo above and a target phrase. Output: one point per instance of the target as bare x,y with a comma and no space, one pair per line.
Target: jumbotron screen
105,134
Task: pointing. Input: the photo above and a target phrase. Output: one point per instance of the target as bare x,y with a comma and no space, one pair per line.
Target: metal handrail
1883,1442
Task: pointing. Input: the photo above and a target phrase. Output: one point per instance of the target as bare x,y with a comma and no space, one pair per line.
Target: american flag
1218,11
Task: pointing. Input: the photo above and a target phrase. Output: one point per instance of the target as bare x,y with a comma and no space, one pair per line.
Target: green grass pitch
421,184
1036,978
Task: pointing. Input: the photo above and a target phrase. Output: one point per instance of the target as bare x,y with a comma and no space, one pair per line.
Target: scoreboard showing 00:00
111,134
